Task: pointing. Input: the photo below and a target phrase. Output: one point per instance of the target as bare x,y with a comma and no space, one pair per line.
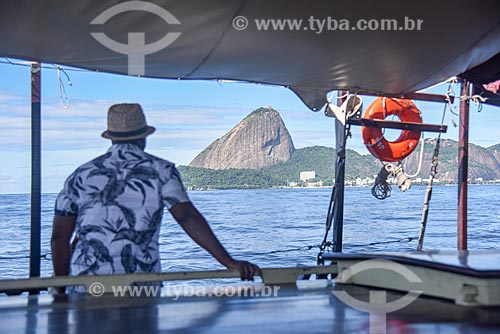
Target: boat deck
291,311
468,284
467,278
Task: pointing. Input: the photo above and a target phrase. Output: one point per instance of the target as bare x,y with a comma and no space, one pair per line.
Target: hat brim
149,130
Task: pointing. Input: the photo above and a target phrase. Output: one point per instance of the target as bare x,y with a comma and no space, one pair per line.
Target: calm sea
252,224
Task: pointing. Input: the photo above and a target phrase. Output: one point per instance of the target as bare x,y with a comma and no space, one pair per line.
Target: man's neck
140,143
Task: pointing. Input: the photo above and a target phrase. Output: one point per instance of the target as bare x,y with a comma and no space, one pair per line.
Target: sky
188,115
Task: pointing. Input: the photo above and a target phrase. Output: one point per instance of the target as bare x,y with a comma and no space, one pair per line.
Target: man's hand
62,229
247,270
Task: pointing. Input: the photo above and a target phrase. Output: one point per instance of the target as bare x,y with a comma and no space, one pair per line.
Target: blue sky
188,115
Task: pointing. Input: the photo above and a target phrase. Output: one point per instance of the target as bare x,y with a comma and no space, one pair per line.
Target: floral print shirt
118,199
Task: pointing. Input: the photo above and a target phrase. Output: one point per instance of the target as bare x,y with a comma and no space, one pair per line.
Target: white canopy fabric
455,36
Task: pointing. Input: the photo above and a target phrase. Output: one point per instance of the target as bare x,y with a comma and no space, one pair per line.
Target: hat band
128,134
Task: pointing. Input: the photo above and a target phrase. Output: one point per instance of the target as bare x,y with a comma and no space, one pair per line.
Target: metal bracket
352,107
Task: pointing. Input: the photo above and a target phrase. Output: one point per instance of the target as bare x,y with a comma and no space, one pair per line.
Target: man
115,204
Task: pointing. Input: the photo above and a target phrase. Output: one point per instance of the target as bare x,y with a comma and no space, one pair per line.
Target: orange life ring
374,140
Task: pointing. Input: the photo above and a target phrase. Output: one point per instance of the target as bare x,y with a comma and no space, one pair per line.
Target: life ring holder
373,137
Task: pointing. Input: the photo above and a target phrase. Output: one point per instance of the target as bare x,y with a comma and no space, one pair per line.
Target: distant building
363,182
304,176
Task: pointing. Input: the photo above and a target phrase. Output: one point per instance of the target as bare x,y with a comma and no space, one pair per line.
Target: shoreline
310,187
346,186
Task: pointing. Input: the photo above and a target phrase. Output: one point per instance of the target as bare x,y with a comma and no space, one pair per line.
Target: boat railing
270,276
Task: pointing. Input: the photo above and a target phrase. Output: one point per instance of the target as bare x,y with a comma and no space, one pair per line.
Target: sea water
276,227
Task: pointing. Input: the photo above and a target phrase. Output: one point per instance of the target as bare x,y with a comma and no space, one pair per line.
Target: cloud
186,128
194,116
7,179
7,97
71,137
82,125
13,185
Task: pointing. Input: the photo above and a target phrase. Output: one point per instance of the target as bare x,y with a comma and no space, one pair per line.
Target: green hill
320,159
483,164
204,178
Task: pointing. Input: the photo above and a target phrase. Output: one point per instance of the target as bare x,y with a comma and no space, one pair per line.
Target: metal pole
338,212
35,171
463,161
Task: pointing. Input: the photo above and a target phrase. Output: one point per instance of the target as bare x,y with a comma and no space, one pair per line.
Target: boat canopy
386,47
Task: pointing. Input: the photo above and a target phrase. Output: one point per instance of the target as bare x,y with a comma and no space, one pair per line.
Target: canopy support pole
338,211
35,231
412,126
463,161
414,96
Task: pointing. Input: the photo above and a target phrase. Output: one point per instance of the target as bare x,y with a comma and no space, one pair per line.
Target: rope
10,62
478,100
354,111
329,99
343,96
449,94
63,96
474,98
421,159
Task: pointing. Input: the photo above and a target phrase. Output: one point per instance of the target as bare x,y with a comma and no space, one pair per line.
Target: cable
381,189
48,67
43,256
309,247
433,172
331,208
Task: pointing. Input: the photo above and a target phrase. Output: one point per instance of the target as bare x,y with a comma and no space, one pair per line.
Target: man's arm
193,223
62,228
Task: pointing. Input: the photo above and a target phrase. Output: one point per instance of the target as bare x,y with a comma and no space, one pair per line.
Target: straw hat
126,121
